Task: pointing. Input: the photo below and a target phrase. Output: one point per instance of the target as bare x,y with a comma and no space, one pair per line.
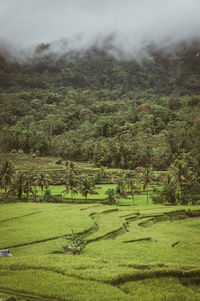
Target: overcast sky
135,22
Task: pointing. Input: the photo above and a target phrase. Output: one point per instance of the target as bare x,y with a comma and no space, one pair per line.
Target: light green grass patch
55,285
53,220
160,289
122,271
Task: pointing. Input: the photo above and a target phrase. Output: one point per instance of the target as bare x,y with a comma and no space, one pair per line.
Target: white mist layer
133,24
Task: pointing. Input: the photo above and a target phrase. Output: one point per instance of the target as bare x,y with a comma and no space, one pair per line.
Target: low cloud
128,25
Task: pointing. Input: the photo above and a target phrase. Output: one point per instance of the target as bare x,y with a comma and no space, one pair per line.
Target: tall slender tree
86,186
132,184
71,185
147,178
42,180
70,179
19,184
7,174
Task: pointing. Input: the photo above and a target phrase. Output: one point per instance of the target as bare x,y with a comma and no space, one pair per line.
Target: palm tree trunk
20,194
133,194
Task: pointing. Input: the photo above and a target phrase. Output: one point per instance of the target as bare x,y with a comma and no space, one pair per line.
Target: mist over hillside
124,45
162,70
128,26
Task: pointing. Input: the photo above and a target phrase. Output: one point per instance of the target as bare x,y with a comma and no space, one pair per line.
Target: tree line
179,185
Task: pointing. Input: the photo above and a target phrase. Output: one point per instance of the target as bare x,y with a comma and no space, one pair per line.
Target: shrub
166,195
76,243
190,194
47,195
97,178
20,151
111,196
59,162
6,198
13,151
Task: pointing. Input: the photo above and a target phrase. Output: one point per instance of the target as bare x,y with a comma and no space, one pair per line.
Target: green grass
39,223
140,199
161,289
110,267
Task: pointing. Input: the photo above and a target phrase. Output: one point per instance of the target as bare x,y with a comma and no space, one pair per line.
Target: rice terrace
132,251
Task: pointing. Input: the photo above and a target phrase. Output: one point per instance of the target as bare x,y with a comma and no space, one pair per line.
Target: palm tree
70,169
71,184
102,171
70,179
19,184
42,180
121,187
111,196
179,173
28,186
7,173
147,177
86,186
180,176
132,184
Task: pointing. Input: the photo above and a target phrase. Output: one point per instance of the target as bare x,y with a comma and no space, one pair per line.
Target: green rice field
139,199
132,252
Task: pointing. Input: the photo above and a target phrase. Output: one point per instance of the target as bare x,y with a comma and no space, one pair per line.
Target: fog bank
128,25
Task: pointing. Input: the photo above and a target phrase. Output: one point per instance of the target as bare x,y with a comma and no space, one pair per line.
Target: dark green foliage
166,195
121,188
7,173
46,196
59,162
19,185
92,107
133,186
189,194
111,196
86,186
42,180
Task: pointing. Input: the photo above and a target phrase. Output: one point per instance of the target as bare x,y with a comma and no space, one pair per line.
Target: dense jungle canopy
99,107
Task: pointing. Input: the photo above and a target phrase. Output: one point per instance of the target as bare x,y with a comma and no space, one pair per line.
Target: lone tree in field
7,174
86,186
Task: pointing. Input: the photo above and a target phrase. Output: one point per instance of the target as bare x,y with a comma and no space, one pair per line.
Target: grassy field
139,199
132,253
27,162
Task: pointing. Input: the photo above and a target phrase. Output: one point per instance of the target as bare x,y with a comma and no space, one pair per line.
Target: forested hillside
99,107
